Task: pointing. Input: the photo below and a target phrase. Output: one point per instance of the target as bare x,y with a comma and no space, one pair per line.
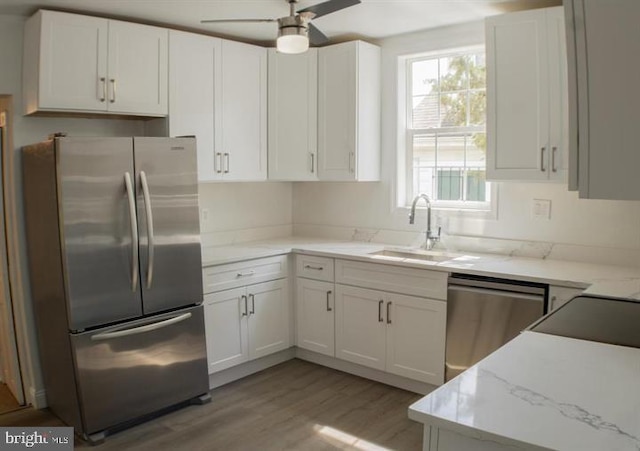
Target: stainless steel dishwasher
484,313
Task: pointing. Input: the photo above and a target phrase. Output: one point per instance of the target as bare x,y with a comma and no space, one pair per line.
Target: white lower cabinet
246,323
315,312
399,334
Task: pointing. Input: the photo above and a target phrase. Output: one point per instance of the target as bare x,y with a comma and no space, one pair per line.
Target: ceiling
371,20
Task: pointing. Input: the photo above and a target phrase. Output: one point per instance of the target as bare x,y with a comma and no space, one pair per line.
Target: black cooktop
605,320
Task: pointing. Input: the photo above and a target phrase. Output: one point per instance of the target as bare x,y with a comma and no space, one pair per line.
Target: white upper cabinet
218,94
349,112
192,95
293,116
527,122
81,64
241,141
604,38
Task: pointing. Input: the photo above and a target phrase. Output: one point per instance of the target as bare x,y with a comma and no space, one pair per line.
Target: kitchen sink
418,254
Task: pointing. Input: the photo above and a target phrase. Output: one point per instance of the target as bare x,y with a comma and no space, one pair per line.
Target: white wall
240,212
371,205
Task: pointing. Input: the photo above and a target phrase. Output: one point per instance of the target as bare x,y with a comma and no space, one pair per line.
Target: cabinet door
293,115
244,111
337,111
225,318
268,318
315,308
416,337
558,95
607,115
517,97
360,326
137,81
193,60
73,61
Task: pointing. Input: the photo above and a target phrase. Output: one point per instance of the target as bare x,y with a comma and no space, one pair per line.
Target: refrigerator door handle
134,231
149,213
141,329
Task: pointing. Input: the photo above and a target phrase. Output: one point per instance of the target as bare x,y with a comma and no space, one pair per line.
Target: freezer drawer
130,370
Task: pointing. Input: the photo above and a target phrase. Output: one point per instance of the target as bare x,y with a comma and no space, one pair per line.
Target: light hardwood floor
296,405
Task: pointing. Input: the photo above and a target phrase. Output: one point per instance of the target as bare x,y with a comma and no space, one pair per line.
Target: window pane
477,72
476,163
453,73
425,112
453,109
477,108
424,77
449,184
424,163
476,186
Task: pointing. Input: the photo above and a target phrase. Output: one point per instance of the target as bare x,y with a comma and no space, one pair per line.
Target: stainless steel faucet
430,238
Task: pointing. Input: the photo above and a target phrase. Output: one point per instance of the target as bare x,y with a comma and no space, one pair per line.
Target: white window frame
486,209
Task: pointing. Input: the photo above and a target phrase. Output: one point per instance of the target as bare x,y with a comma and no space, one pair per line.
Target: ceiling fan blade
322,9
317,37
237,20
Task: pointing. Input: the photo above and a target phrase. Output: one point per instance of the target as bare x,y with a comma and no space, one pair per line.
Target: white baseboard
368,373
245,369
37,398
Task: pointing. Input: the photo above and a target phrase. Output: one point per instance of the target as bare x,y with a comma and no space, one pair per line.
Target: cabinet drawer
318,268
224,277
416,282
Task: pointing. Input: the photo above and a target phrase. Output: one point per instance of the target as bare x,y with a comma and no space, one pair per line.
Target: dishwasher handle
488,291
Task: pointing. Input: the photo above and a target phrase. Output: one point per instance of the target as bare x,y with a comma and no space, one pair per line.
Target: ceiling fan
296,30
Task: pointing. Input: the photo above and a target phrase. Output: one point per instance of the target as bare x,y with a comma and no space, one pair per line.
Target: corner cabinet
219,94
603,40
527,96
82,64
349,112
293,116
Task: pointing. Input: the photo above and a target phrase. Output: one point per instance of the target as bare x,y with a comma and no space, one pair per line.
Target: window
445,132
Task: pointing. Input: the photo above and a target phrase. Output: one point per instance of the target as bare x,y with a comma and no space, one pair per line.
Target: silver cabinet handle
245,274
317,268
103,82
554,150
141,329
133,218
227,166
542,151
253,304
151,238
313,163
380,302
218,166
329,309
351,162
388,313
113,90
244,298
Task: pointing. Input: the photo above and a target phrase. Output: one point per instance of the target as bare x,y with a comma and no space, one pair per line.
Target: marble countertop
605,280
544,391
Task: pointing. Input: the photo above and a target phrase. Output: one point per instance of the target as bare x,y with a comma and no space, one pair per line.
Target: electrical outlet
541,209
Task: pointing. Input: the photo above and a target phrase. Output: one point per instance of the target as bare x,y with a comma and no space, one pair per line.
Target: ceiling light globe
292,43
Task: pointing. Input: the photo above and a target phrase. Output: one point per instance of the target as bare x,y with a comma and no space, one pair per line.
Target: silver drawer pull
317,268
141,329
245,274
329,309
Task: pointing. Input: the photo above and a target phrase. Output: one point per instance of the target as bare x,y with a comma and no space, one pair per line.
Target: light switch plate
541,209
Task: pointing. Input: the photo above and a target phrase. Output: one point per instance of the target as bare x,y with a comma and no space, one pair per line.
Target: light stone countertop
604,280
544,392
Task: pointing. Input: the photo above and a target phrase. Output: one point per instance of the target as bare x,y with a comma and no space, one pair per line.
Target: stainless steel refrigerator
113,238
